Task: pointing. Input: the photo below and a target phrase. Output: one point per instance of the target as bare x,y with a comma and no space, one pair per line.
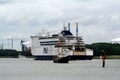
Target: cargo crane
2,45
12,42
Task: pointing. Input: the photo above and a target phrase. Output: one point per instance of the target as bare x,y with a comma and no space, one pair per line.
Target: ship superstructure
45,47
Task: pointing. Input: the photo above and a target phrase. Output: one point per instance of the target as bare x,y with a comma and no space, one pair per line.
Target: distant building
116,40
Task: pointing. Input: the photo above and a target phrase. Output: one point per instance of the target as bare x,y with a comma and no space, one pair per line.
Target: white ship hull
46,47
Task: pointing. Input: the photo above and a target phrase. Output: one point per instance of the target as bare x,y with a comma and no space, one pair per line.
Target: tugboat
60,59
62,56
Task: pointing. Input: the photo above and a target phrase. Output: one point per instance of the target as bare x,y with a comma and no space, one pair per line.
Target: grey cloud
99,20
4,1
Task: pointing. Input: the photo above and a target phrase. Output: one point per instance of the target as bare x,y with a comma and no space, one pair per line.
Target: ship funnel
68,26
76,29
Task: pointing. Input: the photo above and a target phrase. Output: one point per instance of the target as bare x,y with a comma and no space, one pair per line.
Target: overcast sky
99,20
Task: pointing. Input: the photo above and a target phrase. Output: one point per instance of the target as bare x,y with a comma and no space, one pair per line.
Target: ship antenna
64,25
76,29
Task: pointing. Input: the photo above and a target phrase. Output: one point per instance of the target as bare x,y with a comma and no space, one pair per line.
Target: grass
14,57
95,57
109,57
8,57
113,57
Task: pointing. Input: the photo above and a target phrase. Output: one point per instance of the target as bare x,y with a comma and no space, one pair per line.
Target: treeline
109,48
8,53
14,53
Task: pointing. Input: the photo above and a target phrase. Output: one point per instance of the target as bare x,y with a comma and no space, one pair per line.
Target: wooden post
103,57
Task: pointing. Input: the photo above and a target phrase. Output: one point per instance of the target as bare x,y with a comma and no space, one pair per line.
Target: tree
109,48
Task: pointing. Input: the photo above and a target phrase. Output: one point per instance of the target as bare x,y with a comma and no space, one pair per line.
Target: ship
48,47
62,56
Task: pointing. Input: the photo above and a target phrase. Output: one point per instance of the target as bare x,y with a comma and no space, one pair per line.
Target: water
29,69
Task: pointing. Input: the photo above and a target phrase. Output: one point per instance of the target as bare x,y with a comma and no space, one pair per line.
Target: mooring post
103,57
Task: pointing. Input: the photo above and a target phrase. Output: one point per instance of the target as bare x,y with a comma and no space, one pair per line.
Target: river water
29,69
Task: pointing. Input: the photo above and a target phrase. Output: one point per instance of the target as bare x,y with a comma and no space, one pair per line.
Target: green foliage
14,53
8,53
110,49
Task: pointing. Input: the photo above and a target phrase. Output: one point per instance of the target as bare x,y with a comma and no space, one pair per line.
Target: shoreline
94,57
108,57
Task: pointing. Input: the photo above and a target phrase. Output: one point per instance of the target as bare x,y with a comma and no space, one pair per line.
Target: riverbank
95,57
108,57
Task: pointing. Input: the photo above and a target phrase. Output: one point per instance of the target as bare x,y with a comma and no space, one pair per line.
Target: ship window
45,50
83,48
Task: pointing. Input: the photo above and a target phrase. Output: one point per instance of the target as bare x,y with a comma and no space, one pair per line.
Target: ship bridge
66,33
